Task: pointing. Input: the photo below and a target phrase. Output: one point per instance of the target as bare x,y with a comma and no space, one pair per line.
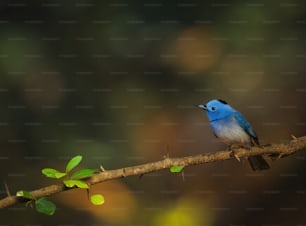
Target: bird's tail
258,163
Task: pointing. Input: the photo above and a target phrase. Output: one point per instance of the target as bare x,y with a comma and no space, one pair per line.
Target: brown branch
280,150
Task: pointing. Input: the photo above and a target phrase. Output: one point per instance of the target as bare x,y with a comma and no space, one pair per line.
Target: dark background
117,82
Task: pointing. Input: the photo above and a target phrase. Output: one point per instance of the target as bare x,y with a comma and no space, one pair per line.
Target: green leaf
45,206
25,194
53,173
81,174
73,163
77,183
97,199
176,169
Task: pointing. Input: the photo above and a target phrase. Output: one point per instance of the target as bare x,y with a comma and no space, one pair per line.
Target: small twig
183,175
7,189
282,149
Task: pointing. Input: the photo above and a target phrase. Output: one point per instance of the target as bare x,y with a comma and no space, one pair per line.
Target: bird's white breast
230,132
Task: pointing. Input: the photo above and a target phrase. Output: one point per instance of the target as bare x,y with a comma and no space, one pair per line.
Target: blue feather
244,124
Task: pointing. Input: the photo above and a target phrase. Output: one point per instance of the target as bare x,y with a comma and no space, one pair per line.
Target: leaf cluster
70,179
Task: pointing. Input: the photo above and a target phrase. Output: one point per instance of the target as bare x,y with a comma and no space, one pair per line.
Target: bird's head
217,109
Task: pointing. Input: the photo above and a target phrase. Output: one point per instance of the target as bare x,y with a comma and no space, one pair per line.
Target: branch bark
279,150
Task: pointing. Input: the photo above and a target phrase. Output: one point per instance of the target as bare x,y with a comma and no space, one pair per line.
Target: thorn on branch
102,168
294,138
123,172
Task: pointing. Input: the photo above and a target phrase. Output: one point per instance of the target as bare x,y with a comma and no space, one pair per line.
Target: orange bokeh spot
197,48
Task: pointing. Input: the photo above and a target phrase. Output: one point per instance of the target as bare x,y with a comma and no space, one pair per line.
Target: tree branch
279,150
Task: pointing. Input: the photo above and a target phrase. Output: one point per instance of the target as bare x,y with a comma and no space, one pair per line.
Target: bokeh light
118,83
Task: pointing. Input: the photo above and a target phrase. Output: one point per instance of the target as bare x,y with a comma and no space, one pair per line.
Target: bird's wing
244,124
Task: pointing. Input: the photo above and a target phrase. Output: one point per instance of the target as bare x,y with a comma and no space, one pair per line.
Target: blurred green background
118,81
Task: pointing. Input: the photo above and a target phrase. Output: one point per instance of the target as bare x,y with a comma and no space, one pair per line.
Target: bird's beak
203,106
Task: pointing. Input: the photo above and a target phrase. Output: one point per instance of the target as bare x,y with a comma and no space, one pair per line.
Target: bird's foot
234,154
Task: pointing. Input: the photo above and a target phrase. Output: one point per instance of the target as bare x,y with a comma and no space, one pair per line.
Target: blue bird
232,128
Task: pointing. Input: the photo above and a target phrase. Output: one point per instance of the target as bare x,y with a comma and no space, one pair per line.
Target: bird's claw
234,154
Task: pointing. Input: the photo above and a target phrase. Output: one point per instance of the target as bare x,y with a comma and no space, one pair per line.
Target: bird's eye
213,108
